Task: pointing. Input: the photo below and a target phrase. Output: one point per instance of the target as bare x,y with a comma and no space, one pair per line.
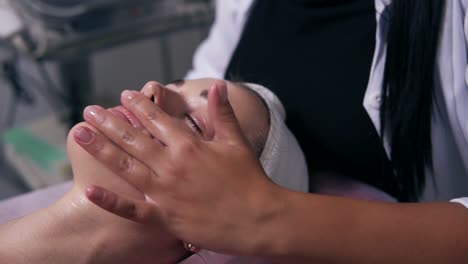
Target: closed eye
193,124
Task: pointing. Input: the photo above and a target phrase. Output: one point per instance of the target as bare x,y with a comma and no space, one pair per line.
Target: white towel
282,158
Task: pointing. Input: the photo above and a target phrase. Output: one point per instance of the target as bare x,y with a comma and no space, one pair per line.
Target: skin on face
190,98
187,102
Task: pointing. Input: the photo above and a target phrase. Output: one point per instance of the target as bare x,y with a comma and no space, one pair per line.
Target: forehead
239,96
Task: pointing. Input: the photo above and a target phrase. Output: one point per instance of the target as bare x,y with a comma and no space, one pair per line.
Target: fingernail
84,135
94,113
129,95
222,92
95,194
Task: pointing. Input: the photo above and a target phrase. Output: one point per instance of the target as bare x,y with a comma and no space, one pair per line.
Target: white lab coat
450,122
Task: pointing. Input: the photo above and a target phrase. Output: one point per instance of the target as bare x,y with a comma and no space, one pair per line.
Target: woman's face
186,101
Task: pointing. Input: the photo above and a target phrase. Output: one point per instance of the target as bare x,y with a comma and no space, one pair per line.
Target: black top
316,56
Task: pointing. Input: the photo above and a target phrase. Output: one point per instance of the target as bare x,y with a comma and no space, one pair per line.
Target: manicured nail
95,113
222,92
129,95
84,135
95,194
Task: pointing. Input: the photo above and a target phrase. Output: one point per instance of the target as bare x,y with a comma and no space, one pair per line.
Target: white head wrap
281,158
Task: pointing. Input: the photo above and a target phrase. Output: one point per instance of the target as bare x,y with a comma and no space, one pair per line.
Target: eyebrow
177,83
180,82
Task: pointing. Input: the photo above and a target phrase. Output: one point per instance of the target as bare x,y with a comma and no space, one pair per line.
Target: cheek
254,126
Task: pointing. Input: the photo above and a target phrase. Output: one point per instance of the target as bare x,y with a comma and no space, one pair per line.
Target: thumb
221,114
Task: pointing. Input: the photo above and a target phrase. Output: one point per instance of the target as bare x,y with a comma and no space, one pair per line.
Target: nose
154,91
168,100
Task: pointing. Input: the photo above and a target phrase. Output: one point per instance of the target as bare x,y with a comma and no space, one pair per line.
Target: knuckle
126,164
152,115
140,176
128,136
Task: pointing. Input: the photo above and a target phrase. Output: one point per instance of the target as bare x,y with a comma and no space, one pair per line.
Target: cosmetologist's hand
212,193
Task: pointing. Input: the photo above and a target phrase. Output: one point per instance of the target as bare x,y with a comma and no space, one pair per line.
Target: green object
34,148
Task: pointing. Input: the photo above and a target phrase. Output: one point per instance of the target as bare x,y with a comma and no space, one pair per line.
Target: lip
124,114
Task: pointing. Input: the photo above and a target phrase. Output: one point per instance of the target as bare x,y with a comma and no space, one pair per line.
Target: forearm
336,230
40,238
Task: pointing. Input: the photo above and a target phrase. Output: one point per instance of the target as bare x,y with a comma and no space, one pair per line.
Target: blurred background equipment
84,16
59,26
57,56
67,32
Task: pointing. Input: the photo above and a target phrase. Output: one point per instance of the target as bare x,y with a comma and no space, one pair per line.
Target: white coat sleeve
462,201
214,53
453,72
458,26
460,88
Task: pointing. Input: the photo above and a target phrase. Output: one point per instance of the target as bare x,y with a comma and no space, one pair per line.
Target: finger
222,115
159,123
120,115
135,143
114,158
131,209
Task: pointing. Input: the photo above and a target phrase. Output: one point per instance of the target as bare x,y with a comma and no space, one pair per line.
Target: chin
76,153
89,171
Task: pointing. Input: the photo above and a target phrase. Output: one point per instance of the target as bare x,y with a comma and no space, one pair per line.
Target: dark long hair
407,106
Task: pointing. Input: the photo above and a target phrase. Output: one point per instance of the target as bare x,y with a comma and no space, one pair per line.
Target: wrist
271,223
285,227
